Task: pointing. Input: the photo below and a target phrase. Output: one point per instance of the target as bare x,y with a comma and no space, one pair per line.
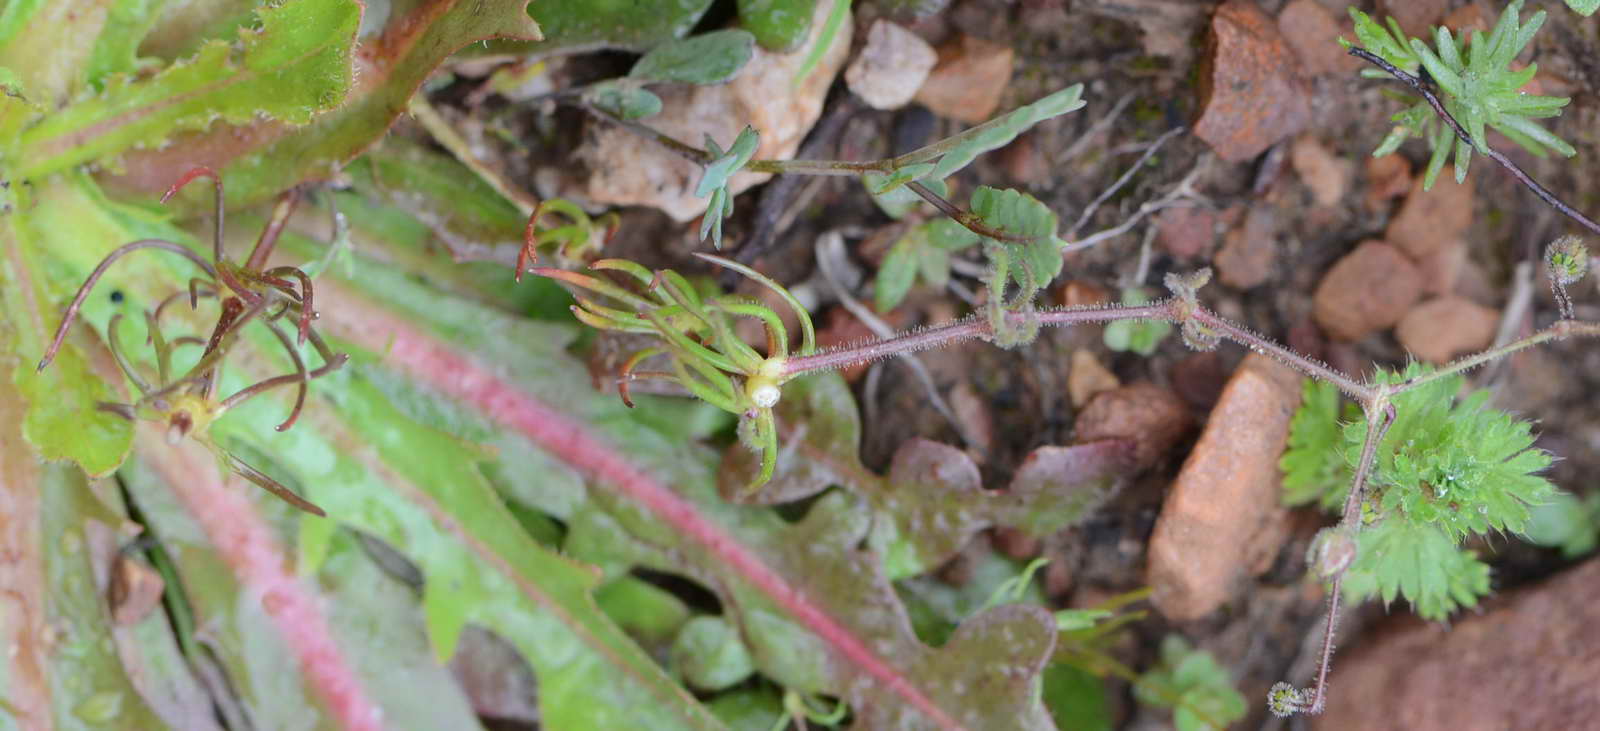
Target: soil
1149,51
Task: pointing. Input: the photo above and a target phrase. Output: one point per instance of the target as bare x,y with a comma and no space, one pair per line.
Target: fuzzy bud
1332,552
1285,700
1568,260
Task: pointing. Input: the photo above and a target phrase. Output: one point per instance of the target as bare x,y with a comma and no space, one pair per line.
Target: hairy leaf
1314,466
1584,7
1420,563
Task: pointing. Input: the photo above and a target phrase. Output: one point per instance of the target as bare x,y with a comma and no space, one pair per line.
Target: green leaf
623,98
725,164
631,25
1136,336
1477,87
472,219
709,58
651,614
1190,681
710,655
1585,8
1397,558
296,65
778,25
127,24
896,274
259,159
1076,698
1567,523
959,151
1314,466
749,709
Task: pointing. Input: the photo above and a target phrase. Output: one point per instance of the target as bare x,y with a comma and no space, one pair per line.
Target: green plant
1205,697
1399,506
187,404
1567,522
1479,88
1447,470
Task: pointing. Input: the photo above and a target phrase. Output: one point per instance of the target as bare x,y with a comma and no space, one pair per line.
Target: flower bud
1568,260
1286,700
1332,551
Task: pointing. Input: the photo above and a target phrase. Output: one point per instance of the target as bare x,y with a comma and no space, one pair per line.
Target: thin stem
1380,416
268,240
819,167
1438,108
967,219
1561,329
1127,175
968,329
1309,367
686,151
1167,310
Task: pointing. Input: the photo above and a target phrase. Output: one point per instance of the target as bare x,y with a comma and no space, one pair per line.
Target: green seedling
1477,87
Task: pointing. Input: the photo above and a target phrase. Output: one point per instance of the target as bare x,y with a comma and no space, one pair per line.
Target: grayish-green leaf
709,58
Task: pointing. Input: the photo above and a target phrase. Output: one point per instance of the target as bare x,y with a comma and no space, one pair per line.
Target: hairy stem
1171,310
1561,329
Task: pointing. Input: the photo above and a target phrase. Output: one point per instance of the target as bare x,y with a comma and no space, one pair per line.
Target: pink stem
438,365
248,545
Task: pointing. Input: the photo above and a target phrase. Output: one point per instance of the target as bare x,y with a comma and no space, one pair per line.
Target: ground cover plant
636,488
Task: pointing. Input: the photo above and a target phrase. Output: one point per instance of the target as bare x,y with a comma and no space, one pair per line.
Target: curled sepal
1285,700
1332,551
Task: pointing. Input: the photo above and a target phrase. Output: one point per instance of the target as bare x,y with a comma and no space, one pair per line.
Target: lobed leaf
261,158
298,64
1421,563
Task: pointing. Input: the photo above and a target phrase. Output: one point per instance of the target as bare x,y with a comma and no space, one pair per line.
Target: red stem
250,547
438,365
